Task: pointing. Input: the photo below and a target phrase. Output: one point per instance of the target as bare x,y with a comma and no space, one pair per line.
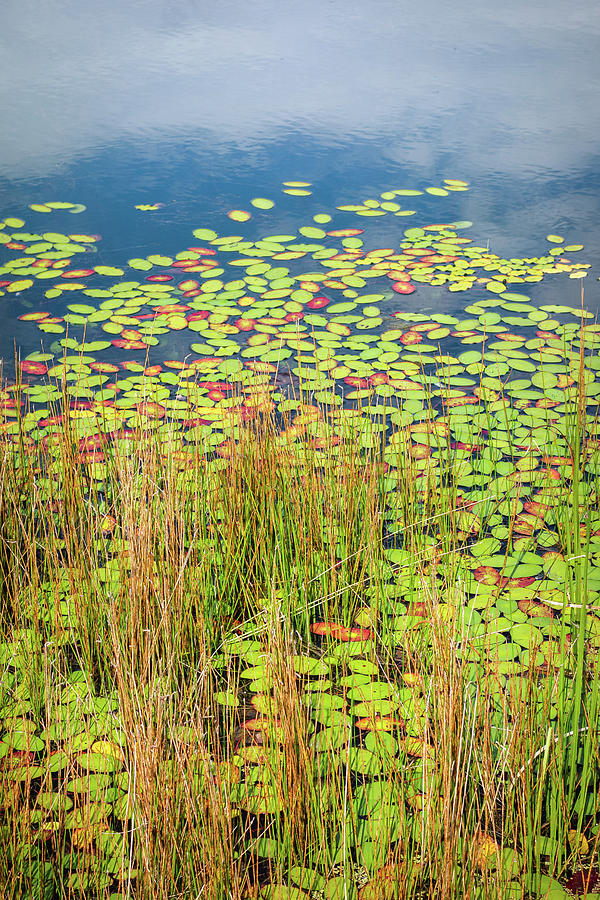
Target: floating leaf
239,215
262,203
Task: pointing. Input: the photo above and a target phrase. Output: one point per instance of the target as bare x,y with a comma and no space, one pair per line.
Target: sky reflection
507,88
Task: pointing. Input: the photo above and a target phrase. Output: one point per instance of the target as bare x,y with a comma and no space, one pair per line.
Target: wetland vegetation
311,608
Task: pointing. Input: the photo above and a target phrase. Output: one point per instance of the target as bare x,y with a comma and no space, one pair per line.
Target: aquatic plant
312,612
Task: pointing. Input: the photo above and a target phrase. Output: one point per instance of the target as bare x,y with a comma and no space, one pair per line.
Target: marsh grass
124,602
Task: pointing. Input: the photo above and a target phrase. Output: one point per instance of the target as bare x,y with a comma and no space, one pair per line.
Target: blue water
202,106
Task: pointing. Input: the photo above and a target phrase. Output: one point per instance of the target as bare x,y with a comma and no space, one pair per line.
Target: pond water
201,107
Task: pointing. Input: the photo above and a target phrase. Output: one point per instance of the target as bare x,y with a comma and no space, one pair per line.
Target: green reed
160,560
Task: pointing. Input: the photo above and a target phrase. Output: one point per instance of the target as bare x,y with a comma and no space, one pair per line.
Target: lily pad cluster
70,767
477,411
259,319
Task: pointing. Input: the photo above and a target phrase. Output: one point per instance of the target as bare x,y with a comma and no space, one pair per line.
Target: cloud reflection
508,87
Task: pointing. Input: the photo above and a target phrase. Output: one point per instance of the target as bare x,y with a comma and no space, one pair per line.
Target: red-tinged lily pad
558,460
33,368
108,524
191,423
379,723
262,723
105,367
205,364
461,401
151,410
33,317
340,632
420,451
523,525
487,575
130,334
411,337
355,381
535,608
564,381
322,443
508,336
9,403
227,449
416,746
318,302
403,287
216,386
206,251
15,759
160,277
173,308
486,849
77,273
245,324
238,215
418,608
379,378
124,344
93,442
522,582
51,420
90,456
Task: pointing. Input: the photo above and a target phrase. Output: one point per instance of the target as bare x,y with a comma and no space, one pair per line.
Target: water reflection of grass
175,723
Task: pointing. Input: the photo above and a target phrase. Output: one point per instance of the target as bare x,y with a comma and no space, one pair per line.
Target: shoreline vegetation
315,611
303,664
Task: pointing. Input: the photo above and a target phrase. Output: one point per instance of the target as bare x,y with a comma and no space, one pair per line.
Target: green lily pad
526,635
279,891
262,203
306,665
362,760
309,879
331,738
